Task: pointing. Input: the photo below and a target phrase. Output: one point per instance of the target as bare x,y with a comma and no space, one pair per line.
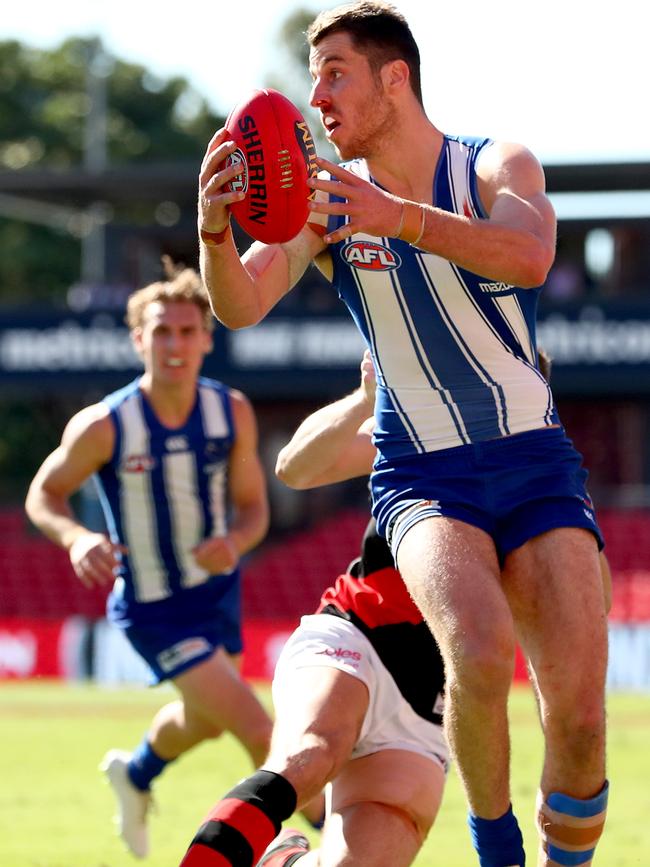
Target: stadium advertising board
59,649
312,356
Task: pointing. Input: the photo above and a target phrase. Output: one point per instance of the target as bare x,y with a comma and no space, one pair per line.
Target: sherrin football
277,152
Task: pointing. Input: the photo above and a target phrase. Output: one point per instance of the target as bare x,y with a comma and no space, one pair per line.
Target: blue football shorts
172,644
513,488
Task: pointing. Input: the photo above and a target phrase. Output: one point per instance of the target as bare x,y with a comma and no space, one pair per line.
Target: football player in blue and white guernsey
439,245
174,455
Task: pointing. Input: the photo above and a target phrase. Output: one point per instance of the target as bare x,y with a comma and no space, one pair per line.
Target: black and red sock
240,826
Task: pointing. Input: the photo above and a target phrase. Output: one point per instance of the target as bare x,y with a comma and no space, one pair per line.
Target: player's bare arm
86,445
243,290
247,492
335,442
515,245
247,482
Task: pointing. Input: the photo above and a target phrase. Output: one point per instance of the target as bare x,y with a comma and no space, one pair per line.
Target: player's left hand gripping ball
277,152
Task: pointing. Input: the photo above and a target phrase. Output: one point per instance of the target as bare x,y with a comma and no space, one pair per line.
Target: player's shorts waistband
512,488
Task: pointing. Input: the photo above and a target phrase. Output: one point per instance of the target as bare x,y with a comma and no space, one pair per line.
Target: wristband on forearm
411,226
214,239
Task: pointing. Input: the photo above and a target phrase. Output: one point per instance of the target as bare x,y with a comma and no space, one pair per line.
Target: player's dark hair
184,287
378,30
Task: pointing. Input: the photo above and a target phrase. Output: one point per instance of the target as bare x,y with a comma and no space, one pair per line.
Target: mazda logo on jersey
370,256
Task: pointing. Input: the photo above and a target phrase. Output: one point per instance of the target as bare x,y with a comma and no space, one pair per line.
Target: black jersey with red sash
372,596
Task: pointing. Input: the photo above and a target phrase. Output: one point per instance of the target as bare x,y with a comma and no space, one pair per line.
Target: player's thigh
452,570
391,796
555,589
318,709
214,689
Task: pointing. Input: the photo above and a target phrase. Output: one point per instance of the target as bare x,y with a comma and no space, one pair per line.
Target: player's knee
483,665
578,731
567,707
327,751
310,762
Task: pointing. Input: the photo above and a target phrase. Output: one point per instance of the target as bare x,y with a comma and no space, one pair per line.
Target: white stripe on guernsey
459,184
526,399
459,181
215,422
510,309
381,373
406,368
459,169
512,314
179,471
137,508
218,499
216,425
457,175
360,168
538,407
466,324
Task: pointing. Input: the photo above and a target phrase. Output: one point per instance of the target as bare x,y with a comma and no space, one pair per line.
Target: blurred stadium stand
285,578
36,579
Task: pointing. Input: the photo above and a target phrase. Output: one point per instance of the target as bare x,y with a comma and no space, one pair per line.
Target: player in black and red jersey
351,705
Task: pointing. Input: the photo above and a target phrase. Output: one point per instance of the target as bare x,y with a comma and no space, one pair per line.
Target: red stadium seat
287,579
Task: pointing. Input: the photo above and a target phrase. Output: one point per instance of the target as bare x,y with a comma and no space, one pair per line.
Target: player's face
172,341
354,109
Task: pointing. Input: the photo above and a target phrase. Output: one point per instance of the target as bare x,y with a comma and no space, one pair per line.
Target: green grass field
55,810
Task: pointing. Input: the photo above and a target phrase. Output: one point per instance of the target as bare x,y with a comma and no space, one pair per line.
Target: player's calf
239,827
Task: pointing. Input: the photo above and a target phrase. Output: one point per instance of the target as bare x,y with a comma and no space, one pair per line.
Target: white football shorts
390,721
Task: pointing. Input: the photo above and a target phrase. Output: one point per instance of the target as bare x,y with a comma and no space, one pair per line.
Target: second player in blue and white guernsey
184,496
439,245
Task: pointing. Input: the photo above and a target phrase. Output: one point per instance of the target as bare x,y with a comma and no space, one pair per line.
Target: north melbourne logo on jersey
370,256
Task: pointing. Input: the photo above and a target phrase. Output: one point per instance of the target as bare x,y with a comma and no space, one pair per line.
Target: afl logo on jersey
138,464
370,256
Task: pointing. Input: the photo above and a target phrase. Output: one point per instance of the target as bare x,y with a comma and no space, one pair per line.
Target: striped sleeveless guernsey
455,352
164,491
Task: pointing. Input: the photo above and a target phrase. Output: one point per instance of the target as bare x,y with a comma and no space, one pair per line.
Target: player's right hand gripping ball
276,150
